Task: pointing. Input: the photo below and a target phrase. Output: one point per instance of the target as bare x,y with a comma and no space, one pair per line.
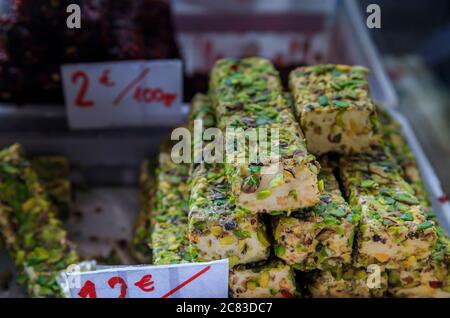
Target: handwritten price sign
192,280
122,94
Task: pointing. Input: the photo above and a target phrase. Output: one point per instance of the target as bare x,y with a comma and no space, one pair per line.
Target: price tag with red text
123,94
192,280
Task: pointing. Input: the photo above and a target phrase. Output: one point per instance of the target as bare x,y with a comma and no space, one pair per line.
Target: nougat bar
334,108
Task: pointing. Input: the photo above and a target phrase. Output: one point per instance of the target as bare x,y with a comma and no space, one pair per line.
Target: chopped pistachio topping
169,213
218,228
334,108
34,236
262,280
248,94
318,237
393,226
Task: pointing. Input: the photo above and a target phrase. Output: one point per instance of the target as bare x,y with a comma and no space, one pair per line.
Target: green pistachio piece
425,225
263,238
280,250
370,184
263,194
405,198
341,103
323,100
407,217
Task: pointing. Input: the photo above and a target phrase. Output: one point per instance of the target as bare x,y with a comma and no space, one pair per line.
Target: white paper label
192,280
123,94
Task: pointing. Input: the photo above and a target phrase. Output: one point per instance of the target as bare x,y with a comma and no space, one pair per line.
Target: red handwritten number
80,100
123,286
88,290
146,283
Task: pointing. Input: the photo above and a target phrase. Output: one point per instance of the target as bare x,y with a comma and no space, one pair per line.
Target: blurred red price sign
193,280
123,94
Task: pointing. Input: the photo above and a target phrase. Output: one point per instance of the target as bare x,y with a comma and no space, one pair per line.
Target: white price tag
123,94
192,280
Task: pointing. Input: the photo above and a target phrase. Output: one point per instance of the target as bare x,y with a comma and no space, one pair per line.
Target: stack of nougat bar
34,196
355,222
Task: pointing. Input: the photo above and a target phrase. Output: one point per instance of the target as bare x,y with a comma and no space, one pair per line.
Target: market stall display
320,241
189,214
195,212
306,181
